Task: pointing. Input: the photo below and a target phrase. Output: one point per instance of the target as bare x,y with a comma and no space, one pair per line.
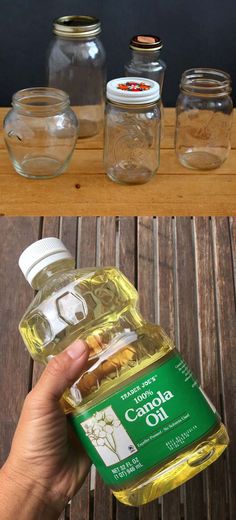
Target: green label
146,423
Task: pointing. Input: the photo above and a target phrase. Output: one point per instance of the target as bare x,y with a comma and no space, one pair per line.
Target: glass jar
76,64
145,62
145,59
132,130
40,132
204,118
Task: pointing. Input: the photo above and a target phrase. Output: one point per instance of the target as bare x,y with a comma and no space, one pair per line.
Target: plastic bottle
142,417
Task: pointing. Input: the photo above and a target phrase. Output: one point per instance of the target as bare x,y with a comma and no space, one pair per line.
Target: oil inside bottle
99,305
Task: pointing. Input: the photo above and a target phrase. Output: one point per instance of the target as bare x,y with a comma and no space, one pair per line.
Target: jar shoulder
65,49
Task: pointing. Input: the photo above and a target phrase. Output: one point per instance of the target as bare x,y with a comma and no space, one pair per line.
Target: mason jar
203,118
132,130
76,64
40,132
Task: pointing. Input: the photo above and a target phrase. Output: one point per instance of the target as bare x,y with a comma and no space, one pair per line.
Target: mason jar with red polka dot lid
132,130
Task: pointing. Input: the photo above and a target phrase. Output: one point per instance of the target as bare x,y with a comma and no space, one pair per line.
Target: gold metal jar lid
76,26
146,42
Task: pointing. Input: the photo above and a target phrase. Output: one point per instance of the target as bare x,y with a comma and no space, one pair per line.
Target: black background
195,33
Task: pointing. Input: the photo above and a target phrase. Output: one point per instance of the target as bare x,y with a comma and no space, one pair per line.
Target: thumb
62,371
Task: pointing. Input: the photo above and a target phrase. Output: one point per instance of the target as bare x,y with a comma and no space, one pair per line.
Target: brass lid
76,26
146,42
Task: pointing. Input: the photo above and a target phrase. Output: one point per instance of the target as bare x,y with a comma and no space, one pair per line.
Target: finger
62,371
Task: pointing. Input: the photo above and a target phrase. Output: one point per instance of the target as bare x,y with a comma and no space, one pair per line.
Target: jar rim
206,81
40,100
146,43
77,26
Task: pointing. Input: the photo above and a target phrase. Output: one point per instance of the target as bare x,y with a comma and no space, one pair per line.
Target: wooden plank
188,339
86,256
127,264
232,223
90,162
146,261
174,190
127,247
165,274
197,321
225,297
80,504
16,295
170,503
146,267
215,475
87,242
66,230
92,195
106,255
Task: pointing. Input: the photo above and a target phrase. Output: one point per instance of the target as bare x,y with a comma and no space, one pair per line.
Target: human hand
46,459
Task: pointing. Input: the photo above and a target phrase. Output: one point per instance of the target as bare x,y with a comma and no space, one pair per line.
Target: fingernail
77,349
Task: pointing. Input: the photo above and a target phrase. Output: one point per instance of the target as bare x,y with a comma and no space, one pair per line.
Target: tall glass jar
76,64
203,118
145,59
132,130
40,132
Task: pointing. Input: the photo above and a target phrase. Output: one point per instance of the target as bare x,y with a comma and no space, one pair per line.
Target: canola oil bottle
141,415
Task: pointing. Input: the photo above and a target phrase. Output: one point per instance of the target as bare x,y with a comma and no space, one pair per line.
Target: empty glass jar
145,58
132,130
76,64
204,118
40,132
145,62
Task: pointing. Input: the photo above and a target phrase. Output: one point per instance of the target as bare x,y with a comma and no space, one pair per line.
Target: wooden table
85,189
185,271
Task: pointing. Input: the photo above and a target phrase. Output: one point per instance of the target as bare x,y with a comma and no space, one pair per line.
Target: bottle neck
51,270
145,56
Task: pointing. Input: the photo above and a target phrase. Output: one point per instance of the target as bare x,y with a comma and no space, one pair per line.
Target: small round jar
77,65
132,130
203,119
40,132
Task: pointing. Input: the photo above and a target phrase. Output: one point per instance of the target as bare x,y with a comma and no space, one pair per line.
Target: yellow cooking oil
141,415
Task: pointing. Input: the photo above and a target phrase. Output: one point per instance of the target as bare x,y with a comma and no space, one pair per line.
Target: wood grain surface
84,189
185,271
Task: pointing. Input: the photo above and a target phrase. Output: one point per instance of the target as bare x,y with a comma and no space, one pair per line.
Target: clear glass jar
145,62
204,117
145,58
40,132
132,130
76,64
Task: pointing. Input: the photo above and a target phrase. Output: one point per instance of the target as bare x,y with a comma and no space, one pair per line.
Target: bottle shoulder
82,281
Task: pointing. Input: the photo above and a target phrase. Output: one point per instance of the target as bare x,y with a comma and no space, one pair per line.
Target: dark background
195,33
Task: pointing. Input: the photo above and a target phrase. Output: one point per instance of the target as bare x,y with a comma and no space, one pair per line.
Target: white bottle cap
133,91
40,254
